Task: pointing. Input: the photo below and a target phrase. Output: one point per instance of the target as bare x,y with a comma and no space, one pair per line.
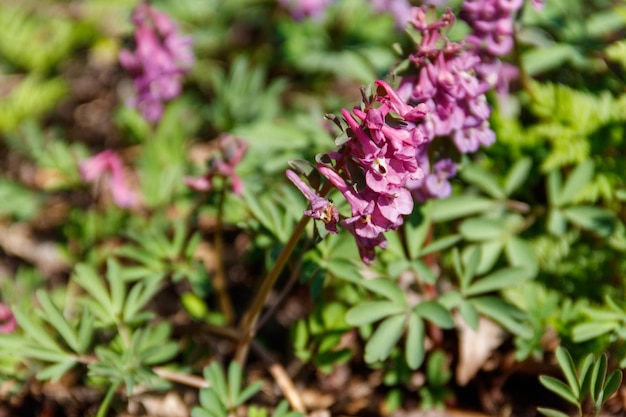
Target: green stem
252,314
106,403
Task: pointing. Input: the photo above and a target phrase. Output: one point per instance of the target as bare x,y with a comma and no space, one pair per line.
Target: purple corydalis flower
108,165
436,184
448,84
8,324
160,60
231,151
301,9
321,208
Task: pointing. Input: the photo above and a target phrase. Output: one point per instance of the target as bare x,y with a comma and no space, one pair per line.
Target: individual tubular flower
108,166
160,60
301,9
231,151
321,208
8,324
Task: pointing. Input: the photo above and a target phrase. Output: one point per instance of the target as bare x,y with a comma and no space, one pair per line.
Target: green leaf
469,314
234,382
520,254
585,376
437,372
501,312
498,280
56,371
56,319
18,201
248,392
440,244
178,240
464,279
44,353
588,331
215,375
212,403
159,354
435,313
414,349
471,260
416,227
344,269
385,337
117,285
556,222
551,413
387,288
577,180
569,369
483,180
598,374
613,382
454,207
423,271
592,218
559,388
370,312
85,331
539,60
489,254
86,277
139,295
200,412
554,188
35,331
517,175
481,228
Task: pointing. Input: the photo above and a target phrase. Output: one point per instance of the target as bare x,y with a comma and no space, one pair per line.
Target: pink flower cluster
492,23
231,151
384,163
373,168
443,77
108,166
160,60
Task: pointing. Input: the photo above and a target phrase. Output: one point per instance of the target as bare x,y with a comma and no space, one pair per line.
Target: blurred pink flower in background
301,9
222,164
108,165
8,324
399,9
160,60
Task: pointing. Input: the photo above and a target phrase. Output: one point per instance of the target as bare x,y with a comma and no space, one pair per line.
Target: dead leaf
475,347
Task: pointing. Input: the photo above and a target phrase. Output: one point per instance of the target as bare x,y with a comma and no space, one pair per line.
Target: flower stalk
249,319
